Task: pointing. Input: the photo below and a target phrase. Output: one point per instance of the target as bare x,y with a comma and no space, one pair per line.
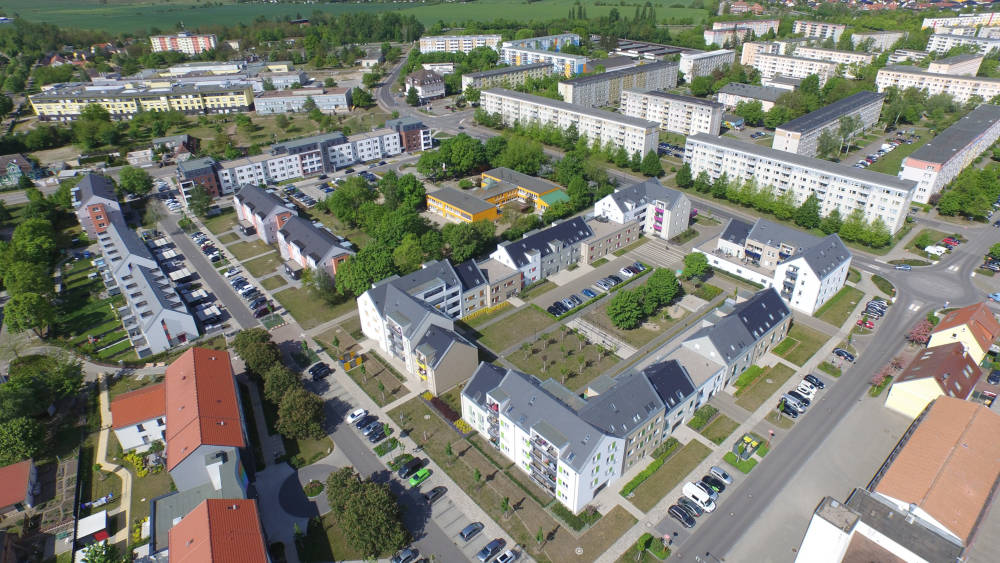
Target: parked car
232,272
904,267
681,515
404,556
364,421
720,473
318,367
603,284
815,381
639,266
995,296
789,410
554,311
626,272
471,531
376,437
507,557
490,549
691,506
806,390
356,415
576,300
321,372
568,303
374,426
712,493
844,354
420,476
615,279
716,484
865,324
435,494
262,300
794,403
266,310
994,377
410,468
802,399
589,293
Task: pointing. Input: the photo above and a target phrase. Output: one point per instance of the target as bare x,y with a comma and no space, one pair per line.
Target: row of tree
367,512
972,193
35,383
628,309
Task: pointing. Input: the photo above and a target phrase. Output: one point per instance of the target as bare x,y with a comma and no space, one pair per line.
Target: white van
935,250
698,495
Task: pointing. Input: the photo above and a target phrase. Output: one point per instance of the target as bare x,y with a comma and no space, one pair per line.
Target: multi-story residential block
139,417
877,40
284,80
781,81
605,89
974,326
942,43
200,172
686,115
439,68
758,27
562,63
960,65
458,43
734,93
819,30
935,164
795,67
506,77
413,134
726,37
904,55
312,247
805,270
428,84
751,49
935,372
204,67
541,253
219,530
65,101
960,88
660,211
263,210
964,20
877,196
188,43
95,203
608,237
849,61
704,64
545,43
801,135
644,50
327,100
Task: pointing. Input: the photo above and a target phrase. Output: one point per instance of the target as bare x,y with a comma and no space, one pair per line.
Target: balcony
544,454
546,483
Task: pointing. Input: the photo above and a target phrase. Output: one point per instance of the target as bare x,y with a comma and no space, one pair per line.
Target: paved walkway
125,506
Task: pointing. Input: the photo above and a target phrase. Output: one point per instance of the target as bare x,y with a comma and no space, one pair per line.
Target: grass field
839,307
754,395
263,265
719,429
673,471
308,310
890,163
243,251
560,354
800,344
522,324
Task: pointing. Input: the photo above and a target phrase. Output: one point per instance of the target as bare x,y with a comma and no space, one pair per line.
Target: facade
726,37
263,210
608,238
605,89
750,50
801,135
819,30
17,486
879,40
65,101
457,43
837,186
704,64
543,252
942,43
975,327
806,271
849,61
960,88
545,43
795,67
95,202
139,417
219,530
13,167
190,44
959,65
200,172
597,126
506,77
660,211
284,80
787,83
327,100
440,68
972,20
938,162
935,372
312,247
413,134
460,206
906,55
758,27
686,115
564,64
733,93
428,84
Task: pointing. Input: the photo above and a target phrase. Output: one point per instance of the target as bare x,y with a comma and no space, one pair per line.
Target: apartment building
138,418
737,8
686,115
428,84
960,65
327,100
543,252
726,37
848,60
608,238
796,67
704,64
65,101
942,43
440,68
597,126
458,43
837,186
758,27
935,164
313,247
506,77
190,44
564,64
644,50
960,88
199,172
781,81
801,135
284,80
751,49
660,211
964,20
263,210
545,43
220,530
95,203
735,92
413,134
877,40
605,89
906,55
819,30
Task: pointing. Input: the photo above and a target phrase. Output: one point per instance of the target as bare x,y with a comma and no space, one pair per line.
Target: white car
806,391
625,273
356,415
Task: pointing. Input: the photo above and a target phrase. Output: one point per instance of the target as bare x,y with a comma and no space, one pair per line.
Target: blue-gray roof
470,275
312,241
671,382
260,201
644,193
776,234
963,133
766,93
436,342
623,408
740,330
736,231
96,185
832,112
826,255
567,233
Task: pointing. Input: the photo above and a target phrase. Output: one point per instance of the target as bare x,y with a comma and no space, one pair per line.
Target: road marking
915,306
972,275
953,268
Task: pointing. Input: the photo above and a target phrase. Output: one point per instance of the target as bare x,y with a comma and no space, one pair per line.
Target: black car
258,313
490,549
316,367
258,302
376,437
789,410
435,494
375,426
714,482
844,354
320,374
554,311
681,515
994,377
558,306
800,398
471,530
691,506
365,421
410,468
815,381
615,279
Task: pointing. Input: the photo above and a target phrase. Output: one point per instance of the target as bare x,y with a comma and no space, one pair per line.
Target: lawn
890,163
243,251
672,472
840,306
829,369
633,246
933,235
273,282
595,542
303,452
719,429
309,311
753,395
780,420
377,381
527,322
488,315
95,484
229,238
227,221
325,541
636,337
536,289
563,355
800,344
853,275
126,384
884,285
744,466
263,265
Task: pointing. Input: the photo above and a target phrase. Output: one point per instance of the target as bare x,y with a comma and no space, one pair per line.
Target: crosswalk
658,253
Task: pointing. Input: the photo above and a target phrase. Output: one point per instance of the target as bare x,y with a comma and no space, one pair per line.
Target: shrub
660,454
587,516
702,416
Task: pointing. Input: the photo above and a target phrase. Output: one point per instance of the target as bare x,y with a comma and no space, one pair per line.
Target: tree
300,415
409,255
29,311
994,251
250,338
370,80
361,98
104,553
752,112
777,115
347,198
199,200
372,263
282,121
854,227
472,94
661,287
34,241
921,332
831,223
341,485
702,183
261,357
372,520
27,277
523,155
625,310
329,82
651,165
95,112
701,86
6,105
827,144
695,265
468,240
412,97
24,182
20,438
279,381
807,215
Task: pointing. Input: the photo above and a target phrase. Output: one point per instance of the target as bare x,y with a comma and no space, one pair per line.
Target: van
697,494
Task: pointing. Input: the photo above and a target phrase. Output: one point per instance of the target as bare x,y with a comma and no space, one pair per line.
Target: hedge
661,454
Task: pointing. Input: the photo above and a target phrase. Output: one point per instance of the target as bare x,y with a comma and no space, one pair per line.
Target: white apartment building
836,186
935,164
703,64
457,43
796,67
663,213
681,114
725,37
971,20
819,30
733,93
942,43
959,65
544,43
188,43
564,64
759,27
605,89
880,40
428,84
903,55
960,88
597,126
848,60
801,135
752,48
327,100
505,77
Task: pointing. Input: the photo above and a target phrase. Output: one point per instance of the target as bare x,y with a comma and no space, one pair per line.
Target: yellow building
974,326
942,370
503,185
64,102
460,206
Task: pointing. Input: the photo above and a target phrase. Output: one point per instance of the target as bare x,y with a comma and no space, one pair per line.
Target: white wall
130,437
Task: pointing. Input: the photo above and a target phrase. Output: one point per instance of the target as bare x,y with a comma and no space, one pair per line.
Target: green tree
341,485
651,165
472,94
261,358
199,200
854,227
370,80
34,241
776,116
282,121
6,105
807,215
827,144
300,415
695,265
26,311
361,98
831,223
372,263
309,104
95,112
720,186
250,338
345,201
27,277
412,97
995,250
104,553
625,310
409,255
372,521
468,240
662,287
279,381
684,178
20,438
702,182
522,154
752,112
701,86
24,182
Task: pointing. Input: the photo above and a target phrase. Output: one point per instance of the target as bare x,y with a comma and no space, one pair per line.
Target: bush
587,516
313,488
702,416
660,454
749,376
386,447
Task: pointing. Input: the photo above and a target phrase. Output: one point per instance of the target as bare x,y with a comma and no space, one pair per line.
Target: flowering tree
880,376
920,333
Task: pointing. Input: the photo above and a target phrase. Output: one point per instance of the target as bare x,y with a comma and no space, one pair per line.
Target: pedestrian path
596,335
658,253
125,506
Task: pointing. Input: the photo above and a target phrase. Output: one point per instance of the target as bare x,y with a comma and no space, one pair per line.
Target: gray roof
964,132
736,231
126,241
825,256
831,113
816,164
485,379
287,146
518,179
436,342
613,74
766,93
431,273
554,54
182,138
507,70
314,242
958,59
462,200
96,185
567,233
910,69
613,63
196,164
260,201
740,330
424,76
915,534
645,192
776,234
564,106
671,382
406,311
470,275
679,98
404,124
630,404
783,79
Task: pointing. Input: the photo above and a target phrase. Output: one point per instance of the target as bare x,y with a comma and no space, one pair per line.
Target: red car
951,242
865,324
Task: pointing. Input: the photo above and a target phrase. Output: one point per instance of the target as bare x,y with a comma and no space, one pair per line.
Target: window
139,428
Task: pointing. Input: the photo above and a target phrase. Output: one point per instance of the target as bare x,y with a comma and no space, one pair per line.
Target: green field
132,15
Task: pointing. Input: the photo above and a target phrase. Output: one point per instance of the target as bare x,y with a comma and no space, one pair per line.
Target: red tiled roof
14,483
202,407
950,365
219,531
138,406
981,322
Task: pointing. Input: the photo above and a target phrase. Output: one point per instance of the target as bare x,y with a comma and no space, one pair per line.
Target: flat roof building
801,135
680,114
704,64
942,43
965,64
65,101
458,43
819,30
460,206
906,55
605,89
960,88
646,50
848,60
877,40
735,92
972,20
562,63
796,67
506,77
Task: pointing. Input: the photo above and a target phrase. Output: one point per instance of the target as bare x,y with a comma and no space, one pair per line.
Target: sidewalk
125,506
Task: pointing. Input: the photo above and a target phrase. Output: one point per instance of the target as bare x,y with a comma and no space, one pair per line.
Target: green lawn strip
933,234
853,275
526,322
146,488
633,246
672,472
244,250
221,223
114,350
890,163
707,291
876,390
754,395
487,316
309,311
719,429
273,282
659,455
742,466
377,382
251,426
229,238
96,483
263,265
562,355
840,306
804,343
599,262
686,236
536,289
702,416
307,451
910,262
884,285
785,346
779,420
747,378
325,541
830,369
